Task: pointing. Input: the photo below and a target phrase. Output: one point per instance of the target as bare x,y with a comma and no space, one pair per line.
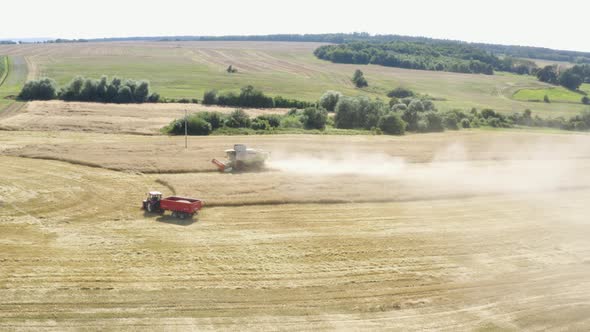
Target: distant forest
460,58
340,38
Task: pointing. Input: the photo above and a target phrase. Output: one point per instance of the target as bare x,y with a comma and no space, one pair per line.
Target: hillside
289,69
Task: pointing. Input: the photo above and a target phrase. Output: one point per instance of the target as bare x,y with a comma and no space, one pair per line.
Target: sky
553,24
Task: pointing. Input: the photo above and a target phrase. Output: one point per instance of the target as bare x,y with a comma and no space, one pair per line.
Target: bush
195,126
329,100
43,89
228,99
494,122
488,113
347,114
291,121
314,118
153,98
450,120
274,120
215,119
546,99
141,92
400,92
434,121
358,112
359,79
392,124
393,101
290,103
124,95
238,119
399,107
416,106
259,124
210,97
406,101
250,97
585,100
465,123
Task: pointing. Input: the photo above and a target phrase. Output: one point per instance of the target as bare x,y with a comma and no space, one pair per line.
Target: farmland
278,68
463,230
559,94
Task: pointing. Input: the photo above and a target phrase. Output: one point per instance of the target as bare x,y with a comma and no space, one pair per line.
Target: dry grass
106,118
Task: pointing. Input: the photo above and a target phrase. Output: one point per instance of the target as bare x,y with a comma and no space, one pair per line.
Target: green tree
124,95
329,100
314,118
359,79
43,89
548,74
210,97
400,92
392,124
238,119
347,113
570,79
142,92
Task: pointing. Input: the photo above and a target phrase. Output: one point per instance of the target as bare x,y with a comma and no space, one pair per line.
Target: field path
17,73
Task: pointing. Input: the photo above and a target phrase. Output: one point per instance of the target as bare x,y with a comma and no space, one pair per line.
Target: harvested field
467,230
166,154
77,253
106,118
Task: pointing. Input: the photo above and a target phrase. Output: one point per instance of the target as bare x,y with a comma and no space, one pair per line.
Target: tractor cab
152,203
154,196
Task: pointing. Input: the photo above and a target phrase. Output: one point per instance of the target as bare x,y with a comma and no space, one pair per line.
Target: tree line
411,55
238,121
251,97
100,90
571,78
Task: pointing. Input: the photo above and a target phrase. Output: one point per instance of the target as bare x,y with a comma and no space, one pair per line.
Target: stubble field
467,230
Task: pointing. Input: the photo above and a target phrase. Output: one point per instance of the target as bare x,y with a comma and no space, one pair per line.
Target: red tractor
181,207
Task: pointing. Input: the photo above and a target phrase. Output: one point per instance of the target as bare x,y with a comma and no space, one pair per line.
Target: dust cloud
452,170
379,165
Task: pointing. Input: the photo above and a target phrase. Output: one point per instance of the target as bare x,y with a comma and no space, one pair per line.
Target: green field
3,67
555,94
188,69
16,74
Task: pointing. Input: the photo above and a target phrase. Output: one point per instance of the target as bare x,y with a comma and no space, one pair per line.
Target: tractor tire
150,208
174,214
182,215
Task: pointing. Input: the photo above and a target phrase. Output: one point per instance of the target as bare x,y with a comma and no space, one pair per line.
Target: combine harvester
242,158
181,207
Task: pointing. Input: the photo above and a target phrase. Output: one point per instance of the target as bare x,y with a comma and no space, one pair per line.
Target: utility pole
185,130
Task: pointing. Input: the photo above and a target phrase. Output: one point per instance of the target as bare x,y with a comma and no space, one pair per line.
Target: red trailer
181,207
